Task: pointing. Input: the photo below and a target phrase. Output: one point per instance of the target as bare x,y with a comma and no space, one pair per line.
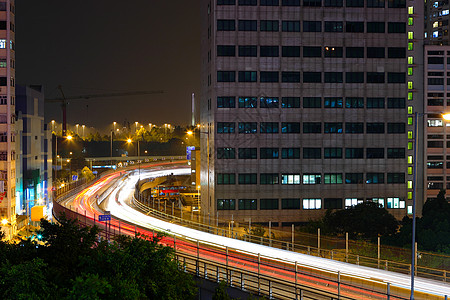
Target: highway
116,191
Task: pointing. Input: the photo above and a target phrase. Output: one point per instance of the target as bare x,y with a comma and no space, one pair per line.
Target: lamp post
83,129
53,125
445,116
207,161
135,126
77,125
129,141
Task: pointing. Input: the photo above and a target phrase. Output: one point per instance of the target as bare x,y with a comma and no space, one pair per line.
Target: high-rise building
436,22
7,118
33,150
309,105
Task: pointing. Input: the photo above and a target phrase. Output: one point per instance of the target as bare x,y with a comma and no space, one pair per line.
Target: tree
87,173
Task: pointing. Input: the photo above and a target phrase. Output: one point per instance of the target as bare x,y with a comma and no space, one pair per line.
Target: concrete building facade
308,105
7,118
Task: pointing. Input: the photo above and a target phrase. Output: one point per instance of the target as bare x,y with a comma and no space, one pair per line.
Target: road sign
74,177
103,218
189,149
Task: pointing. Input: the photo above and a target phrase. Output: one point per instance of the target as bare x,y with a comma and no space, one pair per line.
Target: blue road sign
74,177
103,218
189,149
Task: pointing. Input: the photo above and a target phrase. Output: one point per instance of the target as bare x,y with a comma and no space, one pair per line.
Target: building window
395,203
354,77
332,203
290,102
354,127
290,51
396,77
290,203
226,178
312,51
312,102
225,50
226,204
396,153
269,25
352,153
293,77
290,26
332,178
269,178
396,3
269,3
354,52
374,178
374,153
334,26
332,102
312,26
316,3
290,153
333,3
396,128
247,153
247,178
353,178
375,128
312,153
248,51
333,77
226,25
396,52
380,201
332,127
312,77
268,204
332,153
375,102
375,3
349,202
312,178
247,76
354,27
375,27
269,51
268,153
375,77
226,2
375,52
271,102
290,179
290,127
354,102
248,102
269,76
247,204
333,51
226,76
396,27
312,203
396,102
248,2
247,25
268,127
435,164
226,102
396,178
225,127
354,3
247,127
226,153
312,127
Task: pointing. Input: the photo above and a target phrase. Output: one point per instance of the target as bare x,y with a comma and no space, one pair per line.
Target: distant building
7,118
34,161
308,105
436,22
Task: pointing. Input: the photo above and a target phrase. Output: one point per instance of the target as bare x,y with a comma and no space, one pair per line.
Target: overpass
264,270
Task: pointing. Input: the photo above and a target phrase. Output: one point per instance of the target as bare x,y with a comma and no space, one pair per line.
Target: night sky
100,46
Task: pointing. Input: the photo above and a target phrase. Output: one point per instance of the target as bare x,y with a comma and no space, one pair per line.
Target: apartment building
7,118
309,105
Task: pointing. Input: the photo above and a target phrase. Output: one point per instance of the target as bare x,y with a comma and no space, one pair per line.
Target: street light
129,141
77,125
83,129
135,127
445,116
53,125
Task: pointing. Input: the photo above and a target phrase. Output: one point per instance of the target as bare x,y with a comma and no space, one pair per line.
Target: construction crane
64,100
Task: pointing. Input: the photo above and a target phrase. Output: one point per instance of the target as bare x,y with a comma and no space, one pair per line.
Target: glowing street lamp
77,125
135,127
83,129
114,126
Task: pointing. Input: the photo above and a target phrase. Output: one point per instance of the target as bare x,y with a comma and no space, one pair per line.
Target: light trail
124,190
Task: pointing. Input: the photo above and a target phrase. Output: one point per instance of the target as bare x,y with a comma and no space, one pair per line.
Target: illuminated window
349,202
410,145
2,43
410,46
410,35
410,71
395,203
410,95
435,24
410,185
377,200
410,10
410,159
410,60
445,12
290,179
410,208
435,123
410,85
410,120
410,170
410,111
410,21
312,203
435,34
410,195
410,134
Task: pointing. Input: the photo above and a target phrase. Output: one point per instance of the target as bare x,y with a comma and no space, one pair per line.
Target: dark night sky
102,46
